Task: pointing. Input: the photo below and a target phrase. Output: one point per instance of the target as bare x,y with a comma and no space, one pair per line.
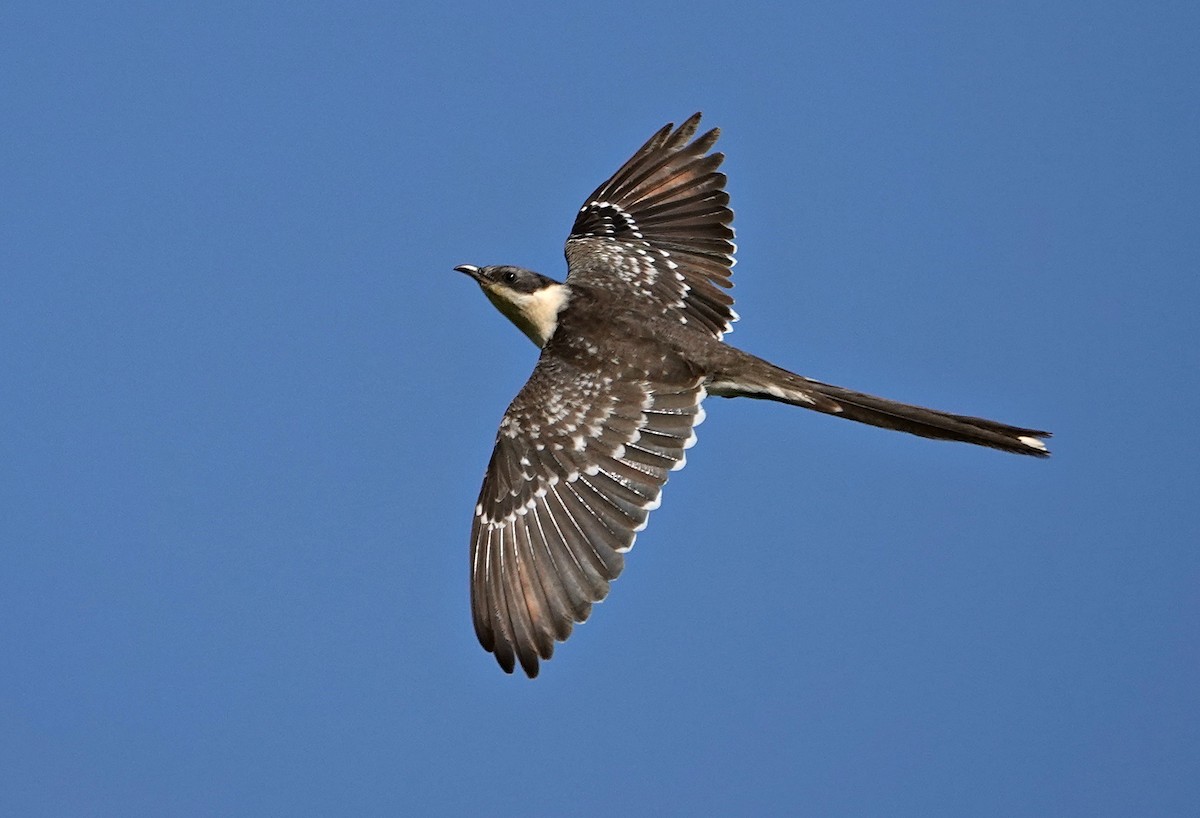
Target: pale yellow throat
535,314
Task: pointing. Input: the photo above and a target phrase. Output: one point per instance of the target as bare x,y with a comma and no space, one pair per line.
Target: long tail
759,379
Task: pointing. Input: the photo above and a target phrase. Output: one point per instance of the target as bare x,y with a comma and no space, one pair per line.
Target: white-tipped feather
1033,443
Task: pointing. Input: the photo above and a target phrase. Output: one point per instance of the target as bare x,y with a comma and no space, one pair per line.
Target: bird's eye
510,277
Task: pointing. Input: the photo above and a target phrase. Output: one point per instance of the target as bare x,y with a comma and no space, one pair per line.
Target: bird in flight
631,344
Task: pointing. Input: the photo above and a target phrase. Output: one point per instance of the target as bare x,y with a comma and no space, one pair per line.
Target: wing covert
660,228
579,463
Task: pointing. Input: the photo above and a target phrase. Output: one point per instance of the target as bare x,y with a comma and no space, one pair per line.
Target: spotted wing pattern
659,228
579,463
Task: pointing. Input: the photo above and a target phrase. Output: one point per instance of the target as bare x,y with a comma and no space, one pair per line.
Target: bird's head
530,300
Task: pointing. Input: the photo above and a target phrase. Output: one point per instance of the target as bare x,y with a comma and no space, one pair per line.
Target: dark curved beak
469,269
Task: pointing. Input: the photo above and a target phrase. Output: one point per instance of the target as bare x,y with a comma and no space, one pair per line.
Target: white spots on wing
609,250
557,412
613,220
501,523
527,506
628,262
593,422
728,325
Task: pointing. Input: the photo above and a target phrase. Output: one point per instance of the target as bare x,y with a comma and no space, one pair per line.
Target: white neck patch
536,313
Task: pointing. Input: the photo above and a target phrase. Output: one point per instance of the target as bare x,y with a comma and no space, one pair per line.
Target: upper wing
580,461
660,228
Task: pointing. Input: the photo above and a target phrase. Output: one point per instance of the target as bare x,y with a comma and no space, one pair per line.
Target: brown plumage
631,346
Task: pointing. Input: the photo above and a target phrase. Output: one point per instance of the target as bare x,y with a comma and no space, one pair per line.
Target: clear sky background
245,406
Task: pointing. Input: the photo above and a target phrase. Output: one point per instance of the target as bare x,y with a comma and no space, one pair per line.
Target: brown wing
579,463
659,228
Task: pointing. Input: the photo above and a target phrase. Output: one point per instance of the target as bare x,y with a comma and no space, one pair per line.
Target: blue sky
245,406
